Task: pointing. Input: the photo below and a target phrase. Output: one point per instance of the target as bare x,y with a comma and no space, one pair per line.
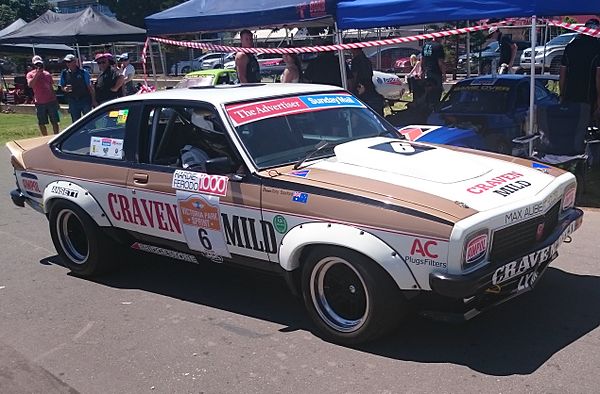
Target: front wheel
349,297
80,243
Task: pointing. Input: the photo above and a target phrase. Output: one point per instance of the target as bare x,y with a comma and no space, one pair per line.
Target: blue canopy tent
204,15
363,14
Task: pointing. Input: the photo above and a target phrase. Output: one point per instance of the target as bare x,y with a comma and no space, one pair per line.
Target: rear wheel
349,297
80,243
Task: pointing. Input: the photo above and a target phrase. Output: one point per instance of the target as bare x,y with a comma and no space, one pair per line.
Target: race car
212,77
390,86
305,181
495,108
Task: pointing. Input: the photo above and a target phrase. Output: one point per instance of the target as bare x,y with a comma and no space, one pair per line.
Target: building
71,6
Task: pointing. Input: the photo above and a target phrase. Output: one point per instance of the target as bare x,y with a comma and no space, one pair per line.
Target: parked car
389,57
488,54
217,61
269,63
91,66
186,66
208,78
493,109
7,66
304,181
554,51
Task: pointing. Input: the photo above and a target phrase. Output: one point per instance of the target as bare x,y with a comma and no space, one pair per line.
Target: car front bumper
497,283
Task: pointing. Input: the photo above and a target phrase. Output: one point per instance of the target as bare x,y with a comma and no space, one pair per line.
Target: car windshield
492,47
561,40
201,80
283,131
476,99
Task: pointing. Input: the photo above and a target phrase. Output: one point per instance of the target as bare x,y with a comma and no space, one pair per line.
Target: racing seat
563,139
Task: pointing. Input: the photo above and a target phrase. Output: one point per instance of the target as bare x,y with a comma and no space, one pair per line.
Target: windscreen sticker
113,114
247,113
110,148
200,182
122,117
481,88
201,223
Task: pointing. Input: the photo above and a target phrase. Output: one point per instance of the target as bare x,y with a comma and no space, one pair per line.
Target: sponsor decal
423,252
511,188
165,252
201,223
569,198
110,148
249,233
476,248
280,224
246,113
540,167
113,114
200,182
539,232
300,197
530,262
64,191
524,213
496,181
31,185
144,212
300,173
122,117
482,88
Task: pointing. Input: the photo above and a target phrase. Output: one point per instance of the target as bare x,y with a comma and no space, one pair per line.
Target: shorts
45,111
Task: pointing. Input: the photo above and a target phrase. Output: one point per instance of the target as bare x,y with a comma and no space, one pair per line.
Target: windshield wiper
319,147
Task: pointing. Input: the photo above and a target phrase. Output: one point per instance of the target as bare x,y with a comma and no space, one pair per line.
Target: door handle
140,178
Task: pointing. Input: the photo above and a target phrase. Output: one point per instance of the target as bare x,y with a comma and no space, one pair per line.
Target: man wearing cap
46,105
580,70
127,71
77,85
109,82
508,50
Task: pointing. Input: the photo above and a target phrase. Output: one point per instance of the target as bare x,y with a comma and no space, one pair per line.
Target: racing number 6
204,240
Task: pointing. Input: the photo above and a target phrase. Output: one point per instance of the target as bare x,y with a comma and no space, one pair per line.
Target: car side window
102,136
180,135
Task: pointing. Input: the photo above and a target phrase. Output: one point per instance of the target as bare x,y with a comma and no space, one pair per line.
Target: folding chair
563,139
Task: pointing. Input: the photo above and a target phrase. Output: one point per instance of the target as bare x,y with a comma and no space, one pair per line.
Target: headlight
476,246
568,199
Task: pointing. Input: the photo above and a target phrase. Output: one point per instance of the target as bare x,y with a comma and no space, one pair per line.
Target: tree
133,12
11,10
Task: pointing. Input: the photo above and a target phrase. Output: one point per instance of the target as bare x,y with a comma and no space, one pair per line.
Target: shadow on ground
515,338
590,198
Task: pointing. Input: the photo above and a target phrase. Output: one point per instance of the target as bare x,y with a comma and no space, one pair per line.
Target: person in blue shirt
77,86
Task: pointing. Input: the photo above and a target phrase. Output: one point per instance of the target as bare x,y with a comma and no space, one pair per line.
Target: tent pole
468,53
79,60
162,62
153,65
338,35
532,81
33,48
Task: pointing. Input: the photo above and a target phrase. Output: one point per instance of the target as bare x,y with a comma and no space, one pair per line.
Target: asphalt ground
159,326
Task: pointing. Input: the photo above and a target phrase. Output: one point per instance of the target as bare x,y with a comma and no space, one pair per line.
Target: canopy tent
363,14
26,48
203,15
84,27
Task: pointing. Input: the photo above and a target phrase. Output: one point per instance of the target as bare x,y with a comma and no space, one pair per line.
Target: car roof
214,71
223,94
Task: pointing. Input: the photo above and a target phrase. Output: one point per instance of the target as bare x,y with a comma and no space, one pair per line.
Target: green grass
19,126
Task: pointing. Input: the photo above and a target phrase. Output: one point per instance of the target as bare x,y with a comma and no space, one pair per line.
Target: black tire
79,241
349,297
184,70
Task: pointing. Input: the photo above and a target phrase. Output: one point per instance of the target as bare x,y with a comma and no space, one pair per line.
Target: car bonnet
393,167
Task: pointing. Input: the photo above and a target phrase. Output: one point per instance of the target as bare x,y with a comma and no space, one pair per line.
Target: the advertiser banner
246,113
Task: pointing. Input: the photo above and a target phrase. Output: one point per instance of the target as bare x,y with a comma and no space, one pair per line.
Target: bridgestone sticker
201,223
200,182
165,252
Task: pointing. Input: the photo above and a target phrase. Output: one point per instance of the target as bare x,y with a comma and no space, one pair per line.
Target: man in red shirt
46,105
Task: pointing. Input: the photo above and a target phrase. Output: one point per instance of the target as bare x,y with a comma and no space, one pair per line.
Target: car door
216,215
96,152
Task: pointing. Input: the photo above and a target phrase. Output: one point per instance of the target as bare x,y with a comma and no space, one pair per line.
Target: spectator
508,50
77,86
362,70
46,105
433,71
127,71
293,68
580,70
109,82
246,65
325,68
365,91
415,73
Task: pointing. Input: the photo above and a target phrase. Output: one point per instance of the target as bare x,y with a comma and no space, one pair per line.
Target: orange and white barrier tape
578,28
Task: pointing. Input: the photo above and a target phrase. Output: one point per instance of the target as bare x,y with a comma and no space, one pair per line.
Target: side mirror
220,166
